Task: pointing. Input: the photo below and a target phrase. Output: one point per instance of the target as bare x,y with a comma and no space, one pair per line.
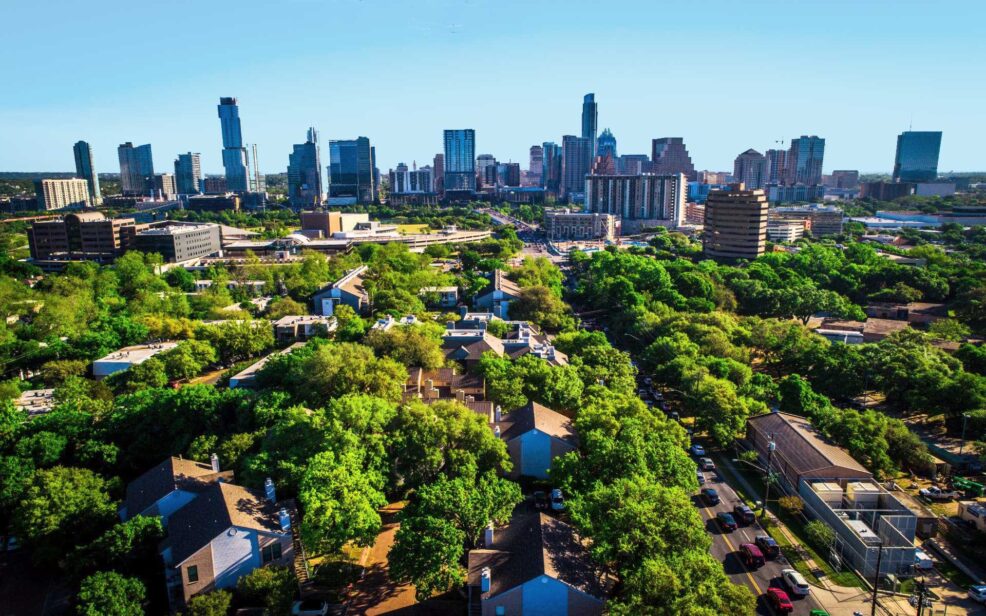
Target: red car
779,600
752,555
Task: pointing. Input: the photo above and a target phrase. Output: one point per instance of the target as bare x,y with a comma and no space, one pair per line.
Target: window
271,552
500,610
193,574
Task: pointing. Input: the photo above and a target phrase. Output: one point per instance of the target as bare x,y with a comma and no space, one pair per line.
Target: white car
796,582
706,464
557,500
978,593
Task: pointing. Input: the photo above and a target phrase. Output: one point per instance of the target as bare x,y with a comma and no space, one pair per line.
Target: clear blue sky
725,75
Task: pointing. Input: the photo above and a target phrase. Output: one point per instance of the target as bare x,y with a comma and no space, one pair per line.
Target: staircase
300,564
475,602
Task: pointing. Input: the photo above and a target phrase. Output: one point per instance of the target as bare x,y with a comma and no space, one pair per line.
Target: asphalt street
725,547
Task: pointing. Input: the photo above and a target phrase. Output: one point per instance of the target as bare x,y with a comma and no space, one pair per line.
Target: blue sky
724,75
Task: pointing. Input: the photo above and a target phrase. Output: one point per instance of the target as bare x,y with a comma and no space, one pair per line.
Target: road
725,547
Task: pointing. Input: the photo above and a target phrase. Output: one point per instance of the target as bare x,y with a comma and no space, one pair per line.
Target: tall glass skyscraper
352,170
305,173
606,145
917,156
85,169
575,166
460,159
551,167
235,159
804,160
188,174
590,122
136,168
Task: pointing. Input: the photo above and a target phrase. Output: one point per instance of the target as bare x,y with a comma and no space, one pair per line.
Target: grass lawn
794,524
405,229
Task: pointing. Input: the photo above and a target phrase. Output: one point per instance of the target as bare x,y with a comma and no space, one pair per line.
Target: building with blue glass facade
305,173
352,170
235,160
136,168
917,156
460,160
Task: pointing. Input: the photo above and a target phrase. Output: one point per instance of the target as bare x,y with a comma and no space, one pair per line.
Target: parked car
698,450
540,499
310,607
674,414
701,478
922,561
818,613
796,582
743,514
710,495
706,464
767,545
978,593
779,600
726,521
557,500
752,556
936,493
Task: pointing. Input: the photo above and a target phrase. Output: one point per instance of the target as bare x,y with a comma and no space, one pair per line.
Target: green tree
820,535
235,340
411,345
127,546
285,307
469,505
427,552
108,593
215,603
543,307
272,587
188,359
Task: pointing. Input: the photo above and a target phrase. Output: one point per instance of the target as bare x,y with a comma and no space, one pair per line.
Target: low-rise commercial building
230,202
785,230
821,219
127,358
180,243
82,236
567,225
302,327
780,193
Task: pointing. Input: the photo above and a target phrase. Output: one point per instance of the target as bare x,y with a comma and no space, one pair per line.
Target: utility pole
876,579
771,446
965,420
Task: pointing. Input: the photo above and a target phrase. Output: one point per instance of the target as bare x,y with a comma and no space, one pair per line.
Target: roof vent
487,579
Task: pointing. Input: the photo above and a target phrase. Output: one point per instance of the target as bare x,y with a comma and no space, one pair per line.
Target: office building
235,160
508,174
669,156
846,179
551,168
568,225
460,160
229,202
795,193
305,173
590,122
84,235
576,161
750,167
86,169
917,156
804,160
180,243
215,185
885,191
606,144
188,173
603,165
633,164
405,181
164,186
638,201
735,223
136,168
352,171
486,169
776,165
536,166
438,164
780,230
62,193
821,219
698,192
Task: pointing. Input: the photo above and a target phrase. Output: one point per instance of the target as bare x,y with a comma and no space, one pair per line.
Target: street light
965,420
771,446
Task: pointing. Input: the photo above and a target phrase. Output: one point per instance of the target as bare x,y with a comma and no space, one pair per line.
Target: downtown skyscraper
86,169
188,173
235,160
804,160
606,145
576,163
551,167
136,168
669,156
352,170
305,173
750,167
590,122
917,156
460,160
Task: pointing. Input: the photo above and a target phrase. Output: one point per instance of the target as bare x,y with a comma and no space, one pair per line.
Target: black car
768,546
710,495
744,515
726,522
540,500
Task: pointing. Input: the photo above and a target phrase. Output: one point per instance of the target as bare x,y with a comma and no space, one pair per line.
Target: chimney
460,395
488,536
497,414
496,431
214,459
285,519
269,490
487,580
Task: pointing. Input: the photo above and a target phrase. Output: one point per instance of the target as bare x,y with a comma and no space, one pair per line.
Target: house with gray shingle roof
500,293
169,486
535,435
537,564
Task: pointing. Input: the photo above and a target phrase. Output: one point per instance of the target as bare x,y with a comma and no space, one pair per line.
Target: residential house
468,345
36,401
913,312
442,297
169,486
446,384
536,565
535,435
224,533
465,341
293,328
347,290
496,298
855,332
387,322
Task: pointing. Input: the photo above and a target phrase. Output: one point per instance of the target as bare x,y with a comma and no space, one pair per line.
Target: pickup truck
936,493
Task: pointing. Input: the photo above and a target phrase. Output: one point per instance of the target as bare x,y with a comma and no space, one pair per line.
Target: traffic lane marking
732,549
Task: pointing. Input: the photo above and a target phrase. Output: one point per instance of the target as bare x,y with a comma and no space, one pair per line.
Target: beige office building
579,226
58,194
735,223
